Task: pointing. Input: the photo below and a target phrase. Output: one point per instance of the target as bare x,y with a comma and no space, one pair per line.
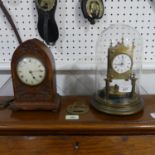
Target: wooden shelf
45,132
94,122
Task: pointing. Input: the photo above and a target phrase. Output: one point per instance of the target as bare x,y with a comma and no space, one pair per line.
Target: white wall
73,46
78,83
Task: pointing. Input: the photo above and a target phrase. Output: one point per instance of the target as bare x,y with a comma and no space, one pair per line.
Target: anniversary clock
119,65
33,75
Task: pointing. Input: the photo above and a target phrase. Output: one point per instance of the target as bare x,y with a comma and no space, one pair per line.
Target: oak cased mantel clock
34,79
120,93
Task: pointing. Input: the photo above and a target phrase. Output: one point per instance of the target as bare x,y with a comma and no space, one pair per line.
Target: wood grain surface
77,145
94,122
95,133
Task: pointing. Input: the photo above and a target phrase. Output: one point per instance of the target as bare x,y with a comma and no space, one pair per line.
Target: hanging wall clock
47,25
33,75
92,9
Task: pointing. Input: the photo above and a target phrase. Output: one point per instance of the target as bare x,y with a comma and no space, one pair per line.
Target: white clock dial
31,71
122,63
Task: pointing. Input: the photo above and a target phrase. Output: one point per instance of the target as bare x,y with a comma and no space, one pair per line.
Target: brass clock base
117,106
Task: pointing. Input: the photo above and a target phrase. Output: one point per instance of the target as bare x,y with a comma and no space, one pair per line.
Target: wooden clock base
42,105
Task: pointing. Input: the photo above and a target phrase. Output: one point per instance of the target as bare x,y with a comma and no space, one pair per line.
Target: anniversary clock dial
34,79
121,63
31,71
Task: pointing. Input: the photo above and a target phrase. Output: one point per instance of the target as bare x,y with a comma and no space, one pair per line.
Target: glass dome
118,70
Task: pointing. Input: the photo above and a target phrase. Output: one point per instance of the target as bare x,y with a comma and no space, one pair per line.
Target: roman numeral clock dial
121,63
31,71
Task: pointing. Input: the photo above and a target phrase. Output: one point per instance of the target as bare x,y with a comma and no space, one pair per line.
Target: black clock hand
122,61
119,64
37,71
31,72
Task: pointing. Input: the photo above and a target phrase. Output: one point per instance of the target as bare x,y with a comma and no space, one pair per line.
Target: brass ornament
77,108
45,5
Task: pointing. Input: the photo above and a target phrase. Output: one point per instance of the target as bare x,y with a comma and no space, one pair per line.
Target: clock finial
122,40
133,44
110,43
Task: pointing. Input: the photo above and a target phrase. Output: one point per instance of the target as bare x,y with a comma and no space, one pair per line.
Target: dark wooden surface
77,145
95,133
94,122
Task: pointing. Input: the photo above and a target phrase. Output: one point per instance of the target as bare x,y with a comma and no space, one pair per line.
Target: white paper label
124,86
153,115
72,117
125,89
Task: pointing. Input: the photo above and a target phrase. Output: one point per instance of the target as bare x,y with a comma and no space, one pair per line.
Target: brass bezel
125,75
41,4
90,8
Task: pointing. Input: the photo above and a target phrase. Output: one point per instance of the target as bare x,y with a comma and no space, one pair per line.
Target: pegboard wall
75,48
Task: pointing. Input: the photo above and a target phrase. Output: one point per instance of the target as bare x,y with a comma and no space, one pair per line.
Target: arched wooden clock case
42,96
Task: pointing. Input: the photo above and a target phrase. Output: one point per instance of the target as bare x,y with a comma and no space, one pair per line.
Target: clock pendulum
92,9
33,75
119,99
